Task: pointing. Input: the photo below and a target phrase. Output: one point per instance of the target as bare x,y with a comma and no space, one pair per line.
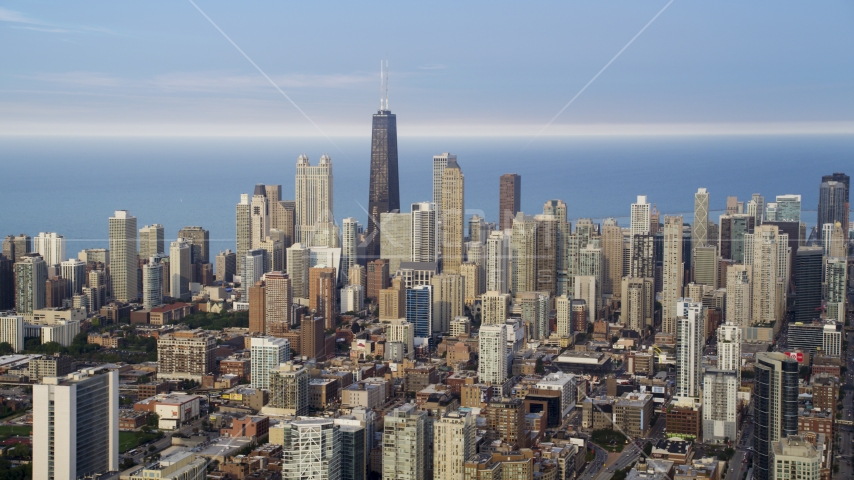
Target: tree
6,348
647,449
153,420
539,368
21,450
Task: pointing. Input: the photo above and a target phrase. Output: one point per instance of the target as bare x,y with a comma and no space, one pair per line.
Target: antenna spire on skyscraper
386,84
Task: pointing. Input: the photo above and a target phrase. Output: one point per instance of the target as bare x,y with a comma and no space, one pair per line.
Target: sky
158,68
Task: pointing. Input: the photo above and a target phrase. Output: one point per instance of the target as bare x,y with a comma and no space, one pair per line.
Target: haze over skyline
161,69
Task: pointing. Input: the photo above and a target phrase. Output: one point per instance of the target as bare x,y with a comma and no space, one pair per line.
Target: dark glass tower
775,406
808,277
833,198
384,193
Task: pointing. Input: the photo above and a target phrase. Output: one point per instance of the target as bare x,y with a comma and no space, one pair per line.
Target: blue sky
457,68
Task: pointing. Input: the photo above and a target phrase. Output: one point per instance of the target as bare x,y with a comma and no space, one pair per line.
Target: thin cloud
201,81
206,81
27,23
82,79
44,29
12,16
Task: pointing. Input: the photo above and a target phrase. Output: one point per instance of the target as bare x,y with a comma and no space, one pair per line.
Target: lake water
72,185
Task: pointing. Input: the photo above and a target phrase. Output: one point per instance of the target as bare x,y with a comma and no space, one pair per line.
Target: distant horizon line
272,130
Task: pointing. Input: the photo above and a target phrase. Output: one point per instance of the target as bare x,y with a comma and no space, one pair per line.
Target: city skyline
225,272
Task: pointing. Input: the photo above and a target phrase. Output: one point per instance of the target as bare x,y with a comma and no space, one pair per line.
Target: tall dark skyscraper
833,200
384,193
775,406
808,266
510,196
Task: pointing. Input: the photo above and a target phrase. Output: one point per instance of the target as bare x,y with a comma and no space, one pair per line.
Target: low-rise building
235,365
150,389
633,414
169,314
685,419
815,422
177,466
676,450
105,340
794,458
173,409
249,426
132,419
362,394
322,392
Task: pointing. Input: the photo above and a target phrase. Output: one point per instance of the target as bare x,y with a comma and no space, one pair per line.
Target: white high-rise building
179,269
439,164
152,283
495,308
30,278
720,405
739,295
586,289
123,260
396,238
833,240
766,251
299,259
454,444
312,450
406,450
492,348
639,219
51,246
729,347
253,269
756,208
523,254
151,241
76,424
401,331
74,272
700,227
259,217
349,241
313,193
448,300
243,215
497,262
12,331
423,237
690,338
563,304
267,353
637,303
352,298
452,217
672,272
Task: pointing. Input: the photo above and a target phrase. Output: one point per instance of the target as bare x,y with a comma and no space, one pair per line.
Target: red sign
799,356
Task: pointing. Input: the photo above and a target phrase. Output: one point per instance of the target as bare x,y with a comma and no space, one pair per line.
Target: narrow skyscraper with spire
384,195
